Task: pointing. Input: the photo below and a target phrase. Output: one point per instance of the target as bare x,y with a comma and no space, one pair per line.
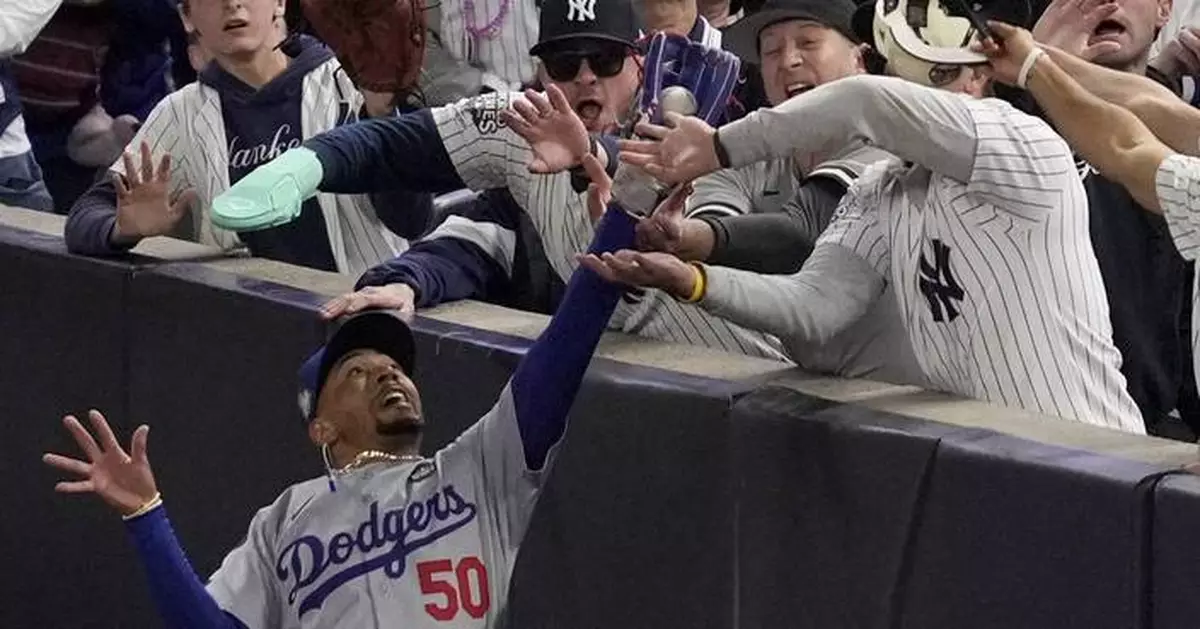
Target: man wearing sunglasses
589,56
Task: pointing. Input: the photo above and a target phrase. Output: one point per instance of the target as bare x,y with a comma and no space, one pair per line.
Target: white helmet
927,41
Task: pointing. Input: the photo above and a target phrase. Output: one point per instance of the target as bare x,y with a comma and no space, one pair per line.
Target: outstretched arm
549,377
126,483
1125,151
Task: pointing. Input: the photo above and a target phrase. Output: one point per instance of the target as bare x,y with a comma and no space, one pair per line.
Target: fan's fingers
67,464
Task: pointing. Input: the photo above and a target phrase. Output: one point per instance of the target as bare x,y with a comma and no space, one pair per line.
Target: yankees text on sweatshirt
219,129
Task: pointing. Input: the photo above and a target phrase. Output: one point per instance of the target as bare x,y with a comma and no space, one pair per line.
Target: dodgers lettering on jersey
488,155
396,545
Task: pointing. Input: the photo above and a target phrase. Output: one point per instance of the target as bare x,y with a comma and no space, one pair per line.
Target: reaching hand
599,192
124,481
551,127
663,229
391,297
1181,56
1006,56
1069,25
679,152
143,204
645,269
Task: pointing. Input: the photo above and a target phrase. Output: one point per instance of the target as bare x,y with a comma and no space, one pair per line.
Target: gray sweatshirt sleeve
835,288
929,127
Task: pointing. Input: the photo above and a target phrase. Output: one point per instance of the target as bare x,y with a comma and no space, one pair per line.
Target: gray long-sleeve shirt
982,236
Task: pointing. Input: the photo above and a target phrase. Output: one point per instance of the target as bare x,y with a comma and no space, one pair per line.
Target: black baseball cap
573,24
385,331
741,38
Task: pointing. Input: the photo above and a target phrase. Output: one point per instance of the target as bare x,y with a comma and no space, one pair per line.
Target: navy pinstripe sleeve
382,154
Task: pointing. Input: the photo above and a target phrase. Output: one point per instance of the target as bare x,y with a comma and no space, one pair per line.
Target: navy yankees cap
741,37
571,23
385,331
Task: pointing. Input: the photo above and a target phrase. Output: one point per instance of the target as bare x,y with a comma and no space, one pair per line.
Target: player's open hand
1006,56
599,192
555,134
144,206
391,297
1070,25
124,481
644,269
678,152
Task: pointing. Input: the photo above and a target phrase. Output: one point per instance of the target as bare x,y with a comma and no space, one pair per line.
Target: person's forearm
1173,121
833,290
1109,137
177,591
383,154
20,23
90,226
549,376
440,271
918,124
763,243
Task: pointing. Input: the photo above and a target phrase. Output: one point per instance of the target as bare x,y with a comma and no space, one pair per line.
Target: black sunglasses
604,62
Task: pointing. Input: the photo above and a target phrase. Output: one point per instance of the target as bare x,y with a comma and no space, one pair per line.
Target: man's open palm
124,481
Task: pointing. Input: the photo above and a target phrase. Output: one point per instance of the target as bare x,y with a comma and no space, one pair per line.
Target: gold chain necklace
367,457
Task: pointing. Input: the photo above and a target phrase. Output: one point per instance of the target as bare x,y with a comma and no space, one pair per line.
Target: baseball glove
707,76
380,43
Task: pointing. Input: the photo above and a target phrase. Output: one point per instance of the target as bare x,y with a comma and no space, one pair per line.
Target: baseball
679,100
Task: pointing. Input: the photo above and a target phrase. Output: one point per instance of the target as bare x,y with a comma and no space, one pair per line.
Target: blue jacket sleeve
382,154
91,221
407,213
180,596
438,271
549,376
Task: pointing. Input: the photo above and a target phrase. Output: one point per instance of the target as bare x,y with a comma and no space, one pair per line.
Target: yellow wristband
699,284
150,505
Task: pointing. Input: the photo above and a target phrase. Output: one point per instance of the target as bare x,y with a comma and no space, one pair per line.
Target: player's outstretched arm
126,483
549,376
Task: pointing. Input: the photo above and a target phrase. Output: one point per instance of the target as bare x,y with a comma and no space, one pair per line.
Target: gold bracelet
699,284
149,506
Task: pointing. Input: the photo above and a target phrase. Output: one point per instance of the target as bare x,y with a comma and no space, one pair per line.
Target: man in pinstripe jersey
253,101
980,229
470,145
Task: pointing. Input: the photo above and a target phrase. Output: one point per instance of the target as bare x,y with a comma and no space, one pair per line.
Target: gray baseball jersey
487,154
982,233
410,545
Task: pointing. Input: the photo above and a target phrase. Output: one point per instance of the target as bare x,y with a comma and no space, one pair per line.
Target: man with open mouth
589,52
388,538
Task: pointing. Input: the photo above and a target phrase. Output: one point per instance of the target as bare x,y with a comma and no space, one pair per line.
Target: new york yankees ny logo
581,10
938,284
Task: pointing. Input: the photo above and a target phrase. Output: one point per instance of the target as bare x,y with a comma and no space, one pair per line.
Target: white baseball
678,99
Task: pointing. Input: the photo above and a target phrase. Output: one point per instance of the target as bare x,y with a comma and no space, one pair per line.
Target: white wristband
1027,66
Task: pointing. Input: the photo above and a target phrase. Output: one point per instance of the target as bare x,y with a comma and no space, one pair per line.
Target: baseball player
1151,139
469,144
980,228
389,538
253,102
